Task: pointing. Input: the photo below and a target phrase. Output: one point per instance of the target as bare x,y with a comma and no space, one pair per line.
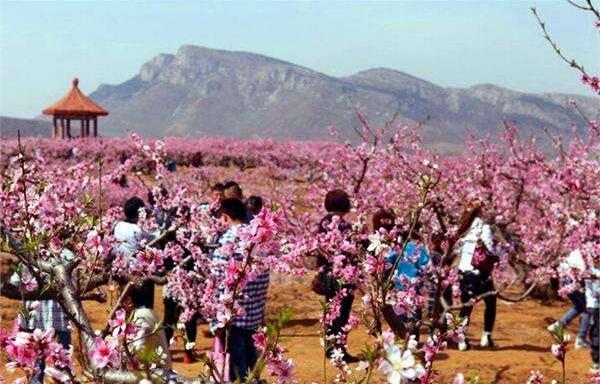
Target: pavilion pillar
69,128
95,121
82,133
87,127
62,128
54,128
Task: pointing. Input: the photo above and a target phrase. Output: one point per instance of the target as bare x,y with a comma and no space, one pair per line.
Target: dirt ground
523,342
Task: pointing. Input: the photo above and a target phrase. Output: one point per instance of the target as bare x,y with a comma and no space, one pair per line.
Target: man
252,299
129,235
232,190
44,315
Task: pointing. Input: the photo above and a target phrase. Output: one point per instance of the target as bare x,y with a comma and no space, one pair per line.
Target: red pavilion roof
75,103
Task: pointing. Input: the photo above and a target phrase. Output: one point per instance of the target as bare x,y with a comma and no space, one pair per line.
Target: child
240,345
408,269
152,338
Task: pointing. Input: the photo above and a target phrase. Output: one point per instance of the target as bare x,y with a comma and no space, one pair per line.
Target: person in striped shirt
252,299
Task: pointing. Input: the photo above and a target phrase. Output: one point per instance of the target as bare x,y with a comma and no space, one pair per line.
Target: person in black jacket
337,203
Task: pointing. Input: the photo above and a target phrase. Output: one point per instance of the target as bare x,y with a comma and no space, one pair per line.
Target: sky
43,45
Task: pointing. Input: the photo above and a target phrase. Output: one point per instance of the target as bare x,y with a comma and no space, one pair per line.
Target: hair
233,208
471,211
232,190
337,200
254,204
136,294
218,187
383,218
132,207
416,232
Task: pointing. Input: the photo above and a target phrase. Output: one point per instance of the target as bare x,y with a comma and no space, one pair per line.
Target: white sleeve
487,237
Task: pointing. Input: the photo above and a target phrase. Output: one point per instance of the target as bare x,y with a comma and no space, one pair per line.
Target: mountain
28,127
201,91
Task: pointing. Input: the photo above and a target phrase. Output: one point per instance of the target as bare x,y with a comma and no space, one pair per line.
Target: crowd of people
475,257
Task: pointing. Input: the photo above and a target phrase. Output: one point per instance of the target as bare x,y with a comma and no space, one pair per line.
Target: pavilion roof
75,103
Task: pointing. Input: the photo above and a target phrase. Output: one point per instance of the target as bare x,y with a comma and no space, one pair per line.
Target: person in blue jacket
408,270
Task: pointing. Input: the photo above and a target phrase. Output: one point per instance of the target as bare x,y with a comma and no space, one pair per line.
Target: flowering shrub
58,195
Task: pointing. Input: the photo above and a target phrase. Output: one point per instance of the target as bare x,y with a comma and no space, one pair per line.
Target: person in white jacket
475,282
129,236
574,261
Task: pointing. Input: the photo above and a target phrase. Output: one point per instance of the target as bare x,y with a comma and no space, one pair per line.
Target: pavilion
74,106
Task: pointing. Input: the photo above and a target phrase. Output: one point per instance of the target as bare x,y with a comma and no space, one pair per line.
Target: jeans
472,285
64,338
594,331
578,300
242,352
172,312
340,322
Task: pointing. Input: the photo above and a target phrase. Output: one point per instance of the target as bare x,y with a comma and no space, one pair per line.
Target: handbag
483,260
220,359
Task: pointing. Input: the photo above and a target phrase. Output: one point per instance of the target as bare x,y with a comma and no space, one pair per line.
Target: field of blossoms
67,195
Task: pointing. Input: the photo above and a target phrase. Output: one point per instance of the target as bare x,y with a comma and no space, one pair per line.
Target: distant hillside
28,127
201,91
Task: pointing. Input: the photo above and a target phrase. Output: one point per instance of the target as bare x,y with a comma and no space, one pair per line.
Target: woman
337,203
477,239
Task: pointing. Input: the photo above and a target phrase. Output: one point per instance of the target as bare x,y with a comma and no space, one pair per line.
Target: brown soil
523,342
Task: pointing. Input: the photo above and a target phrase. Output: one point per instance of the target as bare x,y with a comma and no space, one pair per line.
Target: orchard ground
523,342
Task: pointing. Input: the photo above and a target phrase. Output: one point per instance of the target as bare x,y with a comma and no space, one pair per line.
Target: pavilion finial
75,82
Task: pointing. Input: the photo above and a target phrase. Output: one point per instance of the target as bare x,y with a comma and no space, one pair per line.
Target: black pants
594,331
172,313
242,352
472,285
339,323
148,292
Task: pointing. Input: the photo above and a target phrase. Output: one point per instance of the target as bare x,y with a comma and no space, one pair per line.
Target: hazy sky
451,43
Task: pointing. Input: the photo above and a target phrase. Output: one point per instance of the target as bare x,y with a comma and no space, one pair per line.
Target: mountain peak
204,91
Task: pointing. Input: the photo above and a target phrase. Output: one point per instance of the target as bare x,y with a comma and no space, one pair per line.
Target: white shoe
554,327
463,346
486,340
581,344
595,368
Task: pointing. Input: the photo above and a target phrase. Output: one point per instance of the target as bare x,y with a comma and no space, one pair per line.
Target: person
253,297
128,235
436,254
408,270
216,192
172,310
254,205
574,261
46,315
215,196
383,219
232,190
152,340
337,203
592,301
475,282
